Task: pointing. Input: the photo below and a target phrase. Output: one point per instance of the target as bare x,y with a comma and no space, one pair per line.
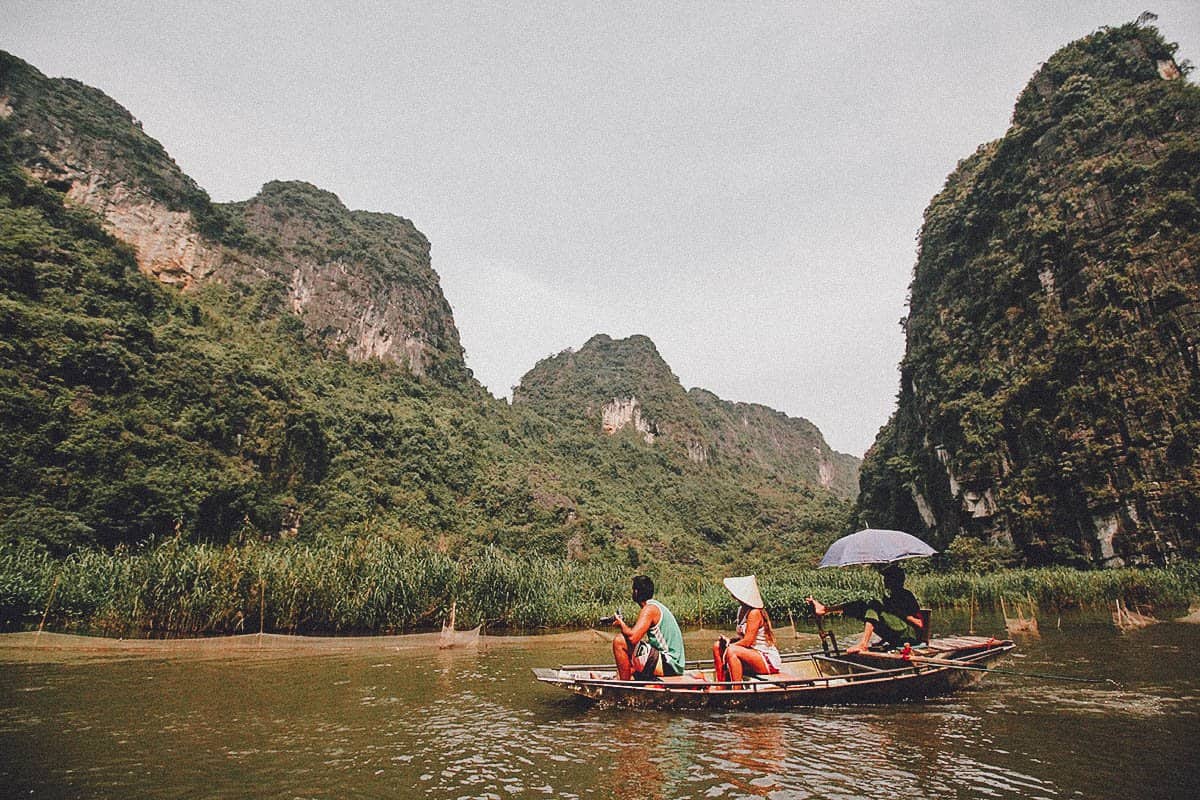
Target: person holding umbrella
896,618
754,651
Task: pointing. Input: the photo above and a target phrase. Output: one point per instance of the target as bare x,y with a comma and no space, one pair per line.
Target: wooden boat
814,678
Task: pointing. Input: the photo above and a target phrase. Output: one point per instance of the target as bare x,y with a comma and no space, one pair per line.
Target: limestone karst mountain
610,385
361,282
286,367
1050,388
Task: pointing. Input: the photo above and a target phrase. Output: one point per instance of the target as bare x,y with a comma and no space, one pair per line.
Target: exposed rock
624,412
1107,527
826,472
927,515
1168,70
289,522
167,245
360,281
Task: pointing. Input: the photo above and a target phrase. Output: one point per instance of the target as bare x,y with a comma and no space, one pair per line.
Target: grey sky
743,183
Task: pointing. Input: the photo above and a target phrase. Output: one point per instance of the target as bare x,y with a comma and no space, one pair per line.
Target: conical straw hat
745,590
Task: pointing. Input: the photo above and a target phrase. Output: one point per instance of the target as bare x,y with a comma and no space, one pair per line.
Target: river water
397,717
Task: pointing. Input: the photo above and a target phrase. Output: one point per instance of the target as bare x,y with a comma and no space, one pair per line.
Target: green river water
397,717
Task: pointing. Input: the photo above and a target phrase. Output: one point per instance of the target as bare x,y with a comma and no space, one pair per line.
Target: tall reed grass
361,586
352,586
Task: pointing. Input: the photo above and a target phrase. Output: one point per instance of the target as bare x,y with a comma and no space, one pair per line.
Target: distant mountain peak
612,385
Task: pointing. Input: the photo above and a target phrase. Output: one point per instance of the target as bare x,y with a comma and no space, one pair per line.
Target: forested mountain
625,383
1050,388
286,367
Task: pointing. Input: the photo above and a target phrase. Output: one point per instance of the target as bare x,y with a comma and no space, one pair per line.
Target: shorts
772,660
648,663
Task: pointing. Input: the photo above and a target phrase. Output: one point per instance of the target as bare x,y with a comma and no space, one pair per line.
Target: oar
824,634
940,662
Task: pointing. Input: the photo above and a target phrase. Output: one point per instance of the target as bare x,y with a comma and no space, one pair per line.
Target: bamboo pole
943,662
42,624
262,606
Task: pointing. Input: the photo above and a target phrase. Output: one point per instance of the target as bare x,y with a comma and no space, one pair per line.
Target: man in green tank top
653,646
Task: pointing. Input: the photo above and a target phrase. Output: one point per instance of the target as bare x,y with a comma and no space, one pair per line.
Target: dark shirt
902,603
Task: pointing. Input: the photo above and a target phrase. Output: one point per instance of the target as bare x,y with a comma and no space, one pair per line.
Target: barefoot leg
718,662
621,650
745,660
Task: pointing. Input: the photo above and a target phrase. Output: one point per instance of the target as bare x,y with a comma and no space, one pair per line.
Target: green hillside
254,399
676,456
1050,390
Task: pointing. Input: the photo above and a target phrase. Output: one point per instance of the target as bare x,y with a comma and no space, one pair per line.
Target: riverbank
176,589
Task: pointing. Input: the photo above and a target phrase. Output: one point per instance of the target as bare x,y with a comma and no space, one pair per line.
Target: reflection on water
400,718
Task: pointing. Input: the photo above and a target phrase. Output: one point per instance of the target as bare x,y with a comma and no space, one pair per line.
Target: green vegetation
381,585
574,386
131,412
732,478
205,461
1050,392
374,585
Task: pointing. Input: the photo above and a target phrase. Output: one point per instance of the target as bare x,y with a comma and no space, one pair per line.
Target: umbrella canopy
874,546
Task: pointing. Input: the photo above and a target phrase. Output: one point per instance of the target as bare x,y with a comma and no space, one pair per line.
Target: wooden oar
942,662
826,636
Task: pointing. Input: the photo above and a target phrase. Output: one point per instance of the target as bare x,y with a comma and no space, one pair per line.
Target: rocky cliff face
362,282
616,384
774,442
626,413
1049,388
220,409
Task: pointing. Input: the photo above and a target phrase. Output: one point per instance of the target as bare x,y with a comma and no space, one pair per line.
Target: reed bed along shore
377,586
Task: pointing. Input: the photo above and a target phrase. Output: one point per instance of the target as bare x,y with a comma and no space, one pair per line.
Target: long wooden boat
813,678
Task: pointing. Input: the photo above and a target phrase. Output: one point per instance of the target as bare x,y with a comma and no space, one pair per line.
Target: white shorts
771,659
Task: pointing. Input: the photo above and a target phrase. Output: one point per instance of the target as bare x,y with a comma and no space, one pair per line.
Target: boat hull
810,679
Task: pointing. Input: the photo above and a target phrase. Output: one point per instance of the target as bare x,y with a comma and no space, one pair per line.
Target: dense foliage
1050,391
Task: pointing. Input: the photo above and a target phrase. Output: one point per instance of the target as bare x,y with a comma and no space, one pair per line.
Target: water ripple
474,724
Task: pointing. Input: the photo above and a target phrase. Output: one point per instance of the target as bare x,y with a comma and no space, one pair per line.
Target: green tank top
667,638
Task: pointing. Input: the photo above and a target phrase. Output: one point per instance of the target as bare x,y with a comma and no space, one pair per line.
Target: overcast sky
742,183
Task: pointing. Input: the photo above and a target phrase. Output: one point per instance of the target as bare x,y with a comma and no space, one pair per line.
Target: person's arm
646,619
820,609
753,623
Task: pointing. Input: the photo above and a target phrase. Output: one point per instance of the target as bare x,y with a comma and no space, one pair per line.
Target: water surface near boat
398,717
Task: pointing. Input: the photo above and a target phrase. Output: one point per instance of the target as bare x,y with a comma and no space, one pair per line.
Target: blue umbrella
874,546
